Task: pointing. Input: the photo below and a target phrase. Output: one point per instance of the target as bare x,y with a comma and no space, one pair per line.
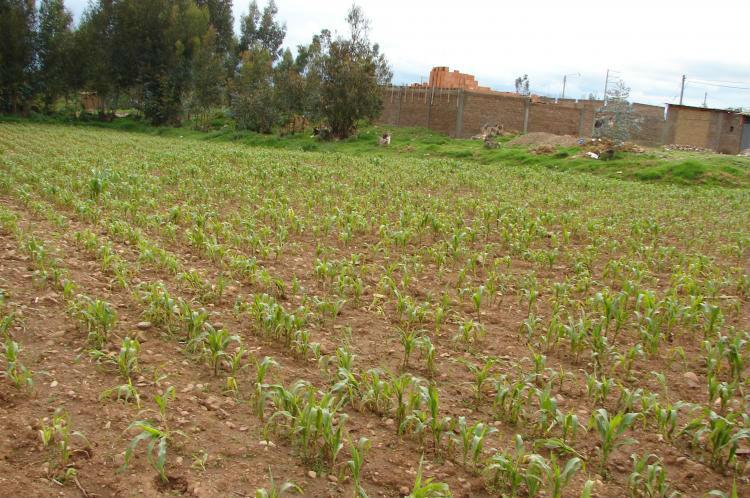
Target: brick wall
729,132
461,113
481,108
553,118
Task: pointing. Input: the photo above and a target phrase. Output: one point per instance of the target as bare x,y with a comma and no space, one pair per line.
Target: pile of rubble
687,148
490,131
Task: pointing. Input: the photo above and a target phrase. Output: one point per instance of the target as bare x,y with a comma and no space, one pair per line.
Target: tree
522,85
17,29
54,46
309,64
616,119
208,77
153,44
262,30
221,18
252,97
353,71
94,47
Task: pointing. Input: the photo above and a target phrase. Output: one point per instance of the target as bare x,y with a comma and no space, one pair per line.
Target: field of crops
183,317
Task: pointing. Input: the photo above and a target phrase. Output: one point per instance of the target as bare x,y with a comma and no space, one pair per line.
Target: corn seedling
469,333
277,491
427,488
481,374
126,392
507,470
649,480
355,464
98,317
15,371
260,388
215,344
471,439
127,359
611,431
200,460
57,440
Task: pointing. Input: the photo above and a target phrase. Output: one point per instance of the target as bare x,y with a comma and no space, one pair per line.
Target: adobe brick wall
689,127
461,113
480,109
729,131
552,118
444,111
414,108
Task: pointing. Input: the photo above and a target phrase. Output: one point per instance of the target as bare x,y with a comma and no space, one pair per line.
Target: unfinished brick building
442,77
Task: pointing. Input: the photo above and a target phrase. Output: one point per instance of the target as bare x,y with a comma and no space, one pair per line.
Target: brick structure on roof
442,77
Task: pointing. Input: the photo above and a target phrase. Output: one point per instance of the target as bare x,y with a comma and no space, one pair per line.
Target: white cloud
651,42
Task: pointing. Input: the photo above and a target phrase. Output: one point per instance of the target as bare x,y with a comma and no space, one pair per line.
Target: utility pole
565,80
705,98
682,89
606,84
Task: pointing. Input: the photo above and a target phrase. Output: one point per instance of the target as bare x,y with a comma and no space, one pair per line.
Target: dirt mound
541,138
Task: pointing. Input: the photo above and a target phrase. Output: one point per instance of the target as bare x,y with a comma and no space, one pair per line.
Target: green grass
655,165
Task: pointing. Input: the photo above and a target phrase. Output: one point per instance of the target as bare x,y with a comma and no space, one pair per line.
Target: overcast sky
651,43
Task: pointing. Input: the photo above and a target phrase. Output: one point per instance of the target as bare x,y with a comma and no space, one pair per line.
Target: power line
708,83
724,81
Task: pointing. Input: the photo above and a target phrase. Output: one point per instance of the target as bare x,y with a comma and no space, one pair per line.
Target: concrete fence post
526,106
460,113
400,100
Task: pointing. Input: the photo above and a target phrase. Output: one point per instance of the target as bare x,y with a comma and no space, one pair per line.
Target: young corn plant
558,477
428,352
598,388
506,470
98,316
156,435
236,365
124,392
470,439
409,339
469,333
15,371
721,436
355,464
160,307
260,388
649,480
57,440
376,392
548,414
406,396
275,490
480,375
511,399
429,421
127,359
428,488
215,344
611,431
